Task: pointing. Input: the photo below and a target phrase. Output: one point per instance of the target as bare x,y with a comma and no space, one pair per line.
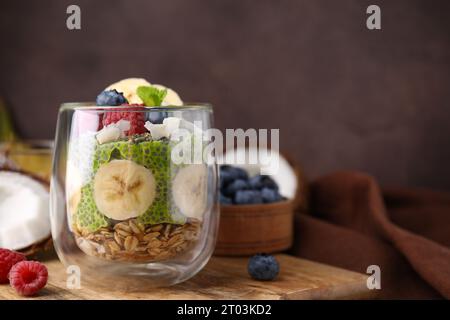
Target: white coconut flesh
24,211
284,175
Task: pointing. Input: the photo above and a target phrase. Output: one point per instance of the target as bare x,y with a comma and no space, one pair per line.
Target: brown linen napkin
406,232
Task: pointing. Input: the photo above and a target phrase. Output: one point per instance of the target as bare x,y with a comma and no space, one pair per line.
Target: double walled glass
124,208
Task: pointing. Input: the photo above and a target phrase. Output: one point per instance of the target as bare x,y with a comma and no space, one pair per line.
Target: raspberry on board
8,258
28,277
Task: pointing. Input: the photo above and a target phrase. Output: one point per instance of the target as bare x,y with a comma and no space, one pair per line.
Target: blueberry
270,195
110,98
235,172
224,200
235,186
260,181
225,167
239,173
247,197
157,117
263,267
225,178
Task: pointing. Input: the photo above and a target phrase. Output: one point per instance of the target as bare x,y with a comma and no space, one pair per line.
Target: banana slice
123,189
190,190
171,99
128,87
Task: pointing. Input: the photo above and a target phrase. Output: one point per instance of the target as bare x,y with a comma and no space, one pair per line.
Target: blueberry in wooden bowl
257,210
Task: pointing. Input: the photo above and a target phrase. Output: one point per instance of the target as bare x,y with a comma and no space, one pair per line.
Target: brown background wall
343,96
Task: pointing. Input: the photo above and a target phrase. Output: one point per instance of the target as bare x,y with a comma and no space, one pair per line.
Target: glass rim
92,106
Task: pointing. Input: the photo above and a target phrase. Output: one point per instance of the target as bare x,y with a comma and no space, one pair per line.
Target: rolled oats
113,246
132,241
157,227
123,226
133,226
118,239
155,243
175,239
123,233
150,236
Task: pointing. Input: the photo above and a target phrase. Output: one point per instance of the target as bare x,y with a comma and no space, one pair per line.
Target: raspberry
137,119
28,277
8,258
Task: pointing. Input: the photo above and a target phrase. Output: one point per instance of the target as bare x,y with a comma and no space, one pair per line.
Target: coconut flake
113,131
24,211
172,124
124,126
170,128
158,131
108,134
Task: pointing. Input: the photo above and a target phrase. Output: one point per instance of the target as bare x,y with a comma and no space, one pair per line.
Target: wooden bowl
251,229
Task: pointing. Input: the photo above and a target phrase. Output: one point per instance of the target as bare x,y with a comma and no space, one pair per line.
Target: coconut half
24,211
289,177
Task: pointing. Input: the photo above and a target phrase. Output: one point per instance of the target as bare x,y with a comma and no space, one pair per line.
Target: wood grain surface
224,278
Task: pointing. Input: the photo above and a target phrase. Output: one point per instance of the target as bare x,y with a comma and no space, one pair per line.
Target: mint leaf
151,96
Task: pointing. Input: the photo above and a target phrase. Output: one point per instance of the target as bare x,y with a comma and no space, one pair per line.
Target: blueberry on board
157,117
225,200
270,195
110,98
234,187
261,181
247,197
263,267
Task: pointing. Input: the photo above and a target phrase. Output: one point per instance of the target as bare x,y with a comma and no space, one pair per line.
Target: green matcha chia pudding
127,199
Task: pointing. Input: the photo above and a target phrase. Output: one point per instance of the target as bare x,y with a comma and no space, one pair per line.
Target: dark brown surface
406,234
343,96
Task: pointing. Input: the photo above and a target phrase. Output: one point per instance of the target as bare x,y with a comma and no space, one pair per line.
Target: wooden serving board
224,278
